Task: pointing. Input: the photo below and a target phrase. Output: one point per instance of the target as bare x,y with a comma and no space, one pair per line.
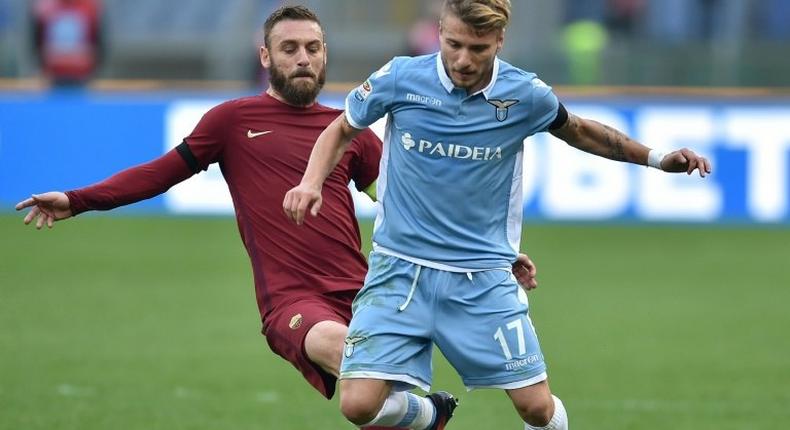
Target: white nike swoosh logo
253,135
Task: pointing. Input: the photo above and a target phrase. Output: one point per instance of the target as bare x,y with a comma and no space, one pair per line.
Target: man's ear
266,59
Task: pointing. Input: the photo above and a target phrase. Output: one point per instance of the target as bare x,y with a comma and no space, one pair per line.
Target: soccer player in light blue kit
449,222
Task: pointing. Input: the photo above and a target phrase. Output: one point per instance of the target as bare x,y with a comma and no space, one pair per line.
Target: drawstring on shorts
405,304
402,307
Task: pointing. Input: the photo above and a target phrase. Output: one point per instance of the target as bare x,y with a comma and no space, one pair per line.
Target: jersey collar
448,85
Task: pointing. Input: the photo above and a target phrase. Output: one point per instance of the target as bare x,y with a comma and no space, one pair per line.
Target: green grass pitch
150,323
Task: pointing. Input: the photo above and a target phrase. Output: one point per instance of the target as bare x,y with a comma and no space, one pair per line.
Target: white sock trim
392,411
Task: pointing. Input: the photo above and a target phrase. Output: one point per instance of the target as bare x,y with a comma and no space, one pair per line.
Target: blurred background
613,42
663,298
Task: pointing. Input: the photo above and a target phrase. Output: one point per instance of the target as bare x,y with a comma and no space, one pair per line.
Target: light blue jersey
450,178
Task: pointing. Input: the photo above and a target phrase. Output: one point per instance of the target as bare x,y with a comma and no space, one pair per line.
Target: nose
464,60
303,59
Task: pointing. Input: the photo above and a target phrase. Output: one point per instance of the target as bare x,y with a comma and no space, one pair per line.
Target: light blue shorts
479,321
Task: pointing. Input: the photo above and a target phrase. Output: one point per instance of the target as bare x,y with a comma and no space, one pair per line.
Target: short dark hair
296,13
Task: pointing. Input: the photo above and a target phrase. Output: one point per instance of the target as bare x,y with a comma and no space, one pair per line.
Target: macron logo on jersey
416,98
440,149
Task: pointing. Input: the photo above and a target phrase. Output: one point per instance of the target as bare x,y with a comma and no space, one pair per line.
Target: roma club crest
501,107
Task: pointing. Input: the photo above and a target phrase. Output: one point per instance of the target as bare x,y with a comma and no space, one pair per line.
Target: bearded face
301,86
296,60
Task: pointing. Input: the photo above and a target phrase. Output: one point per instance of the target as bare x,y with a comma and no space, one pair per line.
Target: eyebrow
473,46
298,41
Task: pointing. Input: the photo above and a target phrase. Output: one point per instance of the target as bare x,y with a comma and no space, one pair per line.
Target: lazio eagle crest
501,107
351,342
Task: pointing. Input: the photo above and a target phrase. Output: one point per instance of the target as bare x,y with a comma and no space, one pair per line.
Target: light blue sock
405,410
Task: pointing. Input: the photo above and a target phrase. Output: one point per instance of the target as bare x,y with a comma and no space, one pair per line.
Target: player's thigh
488,336
386,339
286,330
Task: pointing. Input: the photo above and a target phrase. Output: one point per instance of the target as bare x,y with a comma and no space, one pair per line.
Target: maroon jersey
262,146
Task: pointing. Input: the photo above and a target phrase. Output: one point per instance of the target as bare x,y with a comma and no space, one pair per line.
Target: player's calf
539,408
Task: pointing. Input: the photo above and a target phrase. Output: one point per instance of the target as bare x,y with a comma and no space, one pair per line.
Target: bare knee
534,404
358,409
361,403
537,414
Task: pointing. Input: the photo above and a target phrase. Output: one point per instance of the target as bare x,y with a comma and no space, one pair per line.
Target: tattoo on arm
615,140
573,124
599,139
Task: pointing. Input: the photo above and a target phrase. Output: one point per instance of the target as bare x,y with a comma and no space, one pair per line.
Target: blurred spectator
67,39
424,37
684,20
584,43
584,38
424,34
624,17
671,20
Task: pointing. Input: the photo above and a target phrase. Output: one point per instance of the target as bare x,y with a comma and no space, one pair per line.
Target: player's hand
685,160
525,272
48,208
301,199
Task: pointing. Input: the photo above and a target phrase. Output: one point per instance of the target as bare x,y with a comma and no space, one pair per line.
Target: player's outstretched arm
602,140
129,186
47,207
327,152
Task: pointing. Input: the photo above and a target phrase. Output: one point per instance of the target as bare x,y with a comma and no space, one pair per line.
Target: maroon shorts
287,325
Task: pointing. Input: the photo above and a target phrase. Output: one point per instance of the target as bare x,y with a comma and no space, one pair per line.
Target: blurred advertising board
67,140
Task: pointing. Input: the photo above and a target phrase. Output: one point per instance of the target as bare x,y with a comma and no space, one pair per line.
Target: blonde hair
482,15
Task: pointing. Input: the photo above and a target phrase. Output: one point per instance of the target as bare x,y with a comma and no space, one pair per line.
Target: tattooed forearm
602,140
615,141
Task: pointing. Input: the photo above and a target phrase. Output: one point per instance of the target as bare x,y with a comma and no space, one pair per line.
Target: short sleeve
365,168
545,105
371,100
207,140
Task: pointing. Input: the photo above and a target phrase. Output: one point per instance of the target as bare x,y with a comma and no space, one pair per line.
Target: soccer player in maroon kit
305,277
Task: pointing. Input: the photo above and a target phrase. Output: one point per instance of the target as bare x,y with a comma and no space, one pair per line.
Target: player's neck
482,84
277,96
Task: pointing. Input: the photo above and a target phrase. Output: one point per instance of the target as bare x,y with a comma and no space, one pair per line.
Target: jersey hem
510,385
431,264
